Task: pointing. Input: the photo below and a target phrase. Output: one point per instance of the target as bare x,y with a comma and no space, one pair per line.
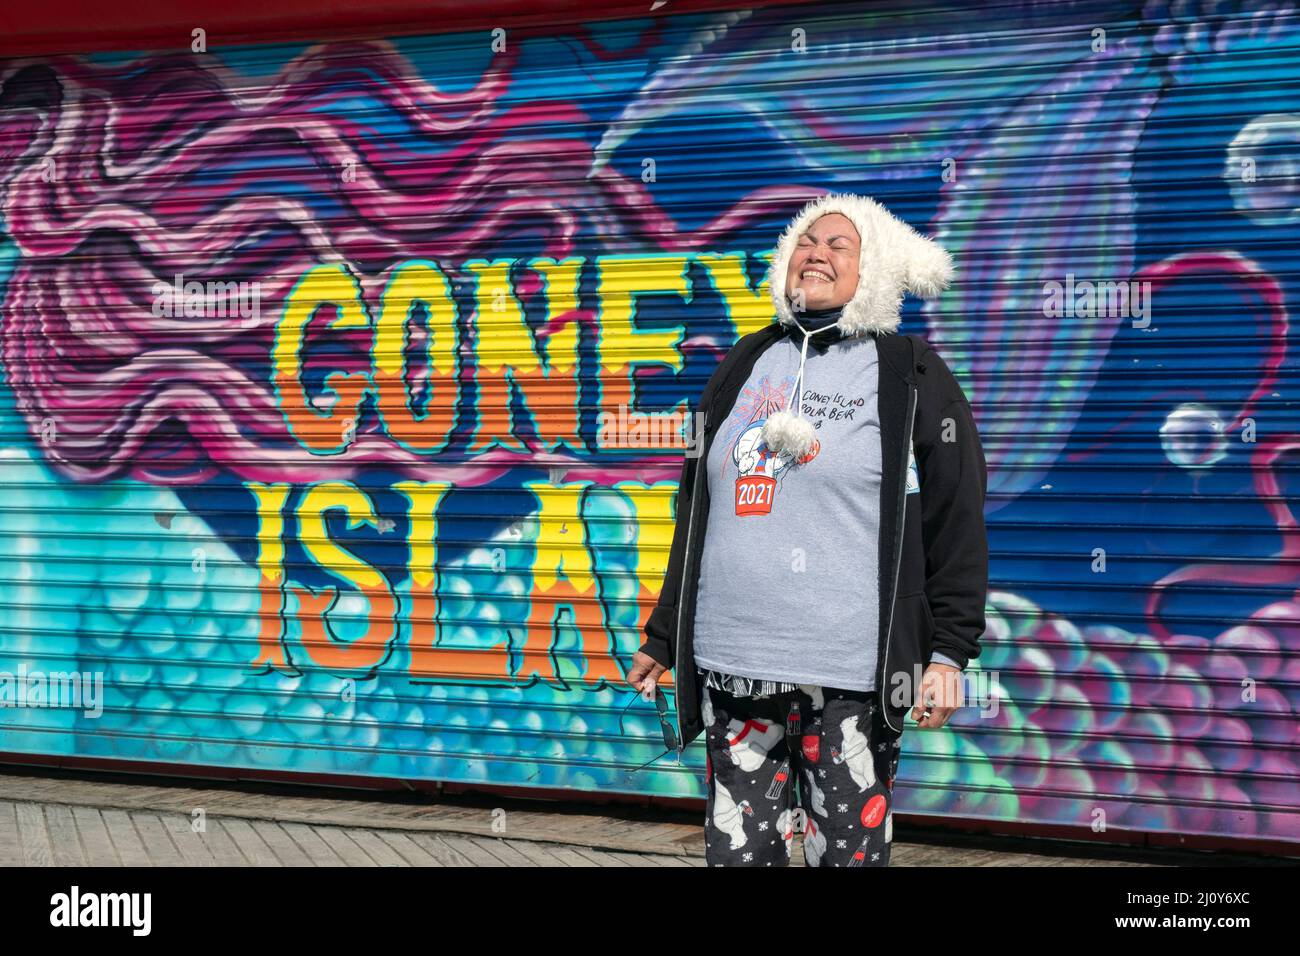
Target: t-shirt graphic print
788,583
758,467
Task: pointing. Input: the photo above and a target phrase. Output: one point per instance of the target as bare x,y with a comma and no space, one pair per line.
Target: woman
831,567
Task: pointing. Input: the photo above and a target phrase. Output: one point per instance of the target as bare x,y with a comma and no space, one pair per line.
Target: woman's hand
644,675
941,693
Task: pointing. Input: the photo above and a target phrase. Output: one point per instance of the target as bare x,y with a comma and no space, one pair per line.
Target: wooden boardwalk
68,820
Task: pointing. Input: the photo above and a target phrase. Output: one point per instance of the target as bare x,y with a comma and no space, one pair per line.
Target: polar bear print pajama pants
832,744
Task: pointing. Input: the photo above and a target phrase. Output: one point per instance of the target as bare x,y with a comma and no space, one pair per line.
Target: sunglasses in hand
665,725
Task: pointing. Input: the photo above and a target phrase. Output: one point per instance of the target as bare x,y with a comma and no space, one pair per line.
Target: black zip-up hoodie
933,548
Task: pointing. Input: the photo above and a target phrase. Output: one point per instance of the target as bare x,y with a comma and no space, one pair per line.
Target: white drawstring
797,407
787,432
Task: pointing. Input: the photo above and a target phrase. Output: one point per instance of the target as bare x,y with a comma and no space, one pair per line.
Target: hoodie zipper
686,567
898,553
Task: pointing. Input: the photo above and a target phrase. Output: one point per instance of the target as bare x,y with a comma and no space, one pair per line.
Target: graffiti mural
345,386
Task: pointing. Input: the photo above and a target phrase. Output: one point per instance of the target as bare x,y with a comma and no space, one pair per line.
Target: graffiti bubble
1262,169
1192,436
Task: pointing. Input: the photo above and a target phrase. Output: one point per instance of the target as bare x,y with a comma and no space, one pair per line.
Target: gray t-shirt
788,577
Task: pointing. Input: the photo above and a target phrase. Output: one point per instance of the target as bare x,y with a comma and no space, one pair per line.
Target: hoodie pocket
916,621
927,644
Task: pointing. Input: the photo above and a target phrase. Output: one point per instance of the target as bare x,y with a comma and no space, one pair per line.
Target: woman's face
823,269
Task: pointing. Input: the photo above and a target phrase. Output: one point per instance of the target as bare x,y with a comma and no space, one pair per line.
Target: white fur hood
895,259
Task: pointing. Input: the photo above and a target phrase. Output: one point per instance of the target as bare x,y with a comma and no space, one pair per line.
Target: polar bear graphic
753,457
785,826
856,751
816,797
814,844
748,743
729,816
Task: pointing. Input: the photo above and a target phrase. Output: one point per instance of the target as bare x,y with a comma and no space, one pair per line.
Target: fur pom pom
786,434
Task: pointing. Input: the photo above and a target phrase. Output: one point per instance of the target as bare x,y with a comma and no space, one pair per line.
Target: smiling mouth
815,274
